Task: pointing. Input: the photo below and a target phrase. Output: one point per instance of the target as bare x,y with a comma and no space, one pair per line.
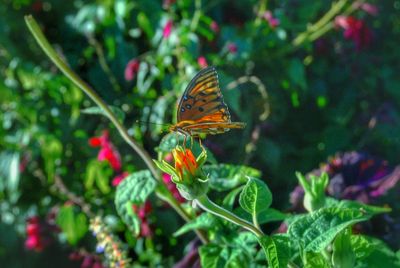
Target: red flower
167,29
38,233
355,30
117,179
273,22
131,69
107,151
142,212
202,62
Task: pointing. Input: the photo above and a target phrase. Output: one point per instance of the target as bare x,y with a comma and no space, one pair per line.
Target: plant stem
162,190
335,9
205,203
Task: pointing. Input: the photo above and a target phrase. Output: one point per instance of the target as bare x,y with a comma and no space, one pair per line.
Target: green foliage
133,190
225,177
73,224
315,231
304,90
255,197
276,249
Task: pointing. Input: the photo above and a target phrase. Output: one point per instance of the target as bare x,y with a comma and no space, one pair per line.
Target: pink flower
214,26
273,22
172,188
367,7
143,212
167,29
117,179
232,48
355,30
38,233
131,69
107,151
202,62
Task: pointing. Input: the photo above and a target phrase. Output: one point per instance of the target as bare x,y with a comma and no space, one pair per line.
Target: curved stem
162,191
213,208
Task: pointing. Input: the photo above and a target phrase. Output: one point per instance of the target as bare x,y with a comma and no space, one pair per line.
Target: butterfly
202,109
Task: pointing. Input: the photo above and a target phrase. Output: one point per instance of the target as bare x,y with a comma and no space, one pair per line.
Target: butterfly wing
202,100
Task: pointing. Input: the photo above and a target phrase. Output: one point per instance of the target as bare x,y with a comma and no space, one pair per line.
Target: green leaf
204,221
73,225
343,255
133,190
229,199
316,260
97,110
271,215
255,197
10,174
51,149
372,252
317,230
225,177
100,173
211,257
145,25
276,249
297,73
370,210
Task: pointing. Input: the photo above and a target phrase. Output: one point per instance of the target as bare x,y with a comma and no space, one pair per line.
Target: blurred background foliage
305,90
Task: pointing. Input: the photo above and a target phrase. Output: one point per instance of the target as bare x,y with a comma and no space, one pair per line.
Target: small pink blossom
167,29
367,7
119,178
202,62
214,26
131,69
272,21
232,48
107,151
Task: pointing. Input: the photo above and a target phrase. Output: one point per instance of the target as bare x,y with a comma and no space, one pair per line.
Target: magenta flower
131,69
107,151
355,30
214,26
119,178
38,233
202,62
143,212
167,29
232,48
272,21
172,188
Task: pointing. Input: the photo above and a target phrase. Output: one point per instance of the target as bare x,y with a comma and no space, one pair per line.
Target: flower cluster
109,154
109,244
272,21
38,233
356,30
107,151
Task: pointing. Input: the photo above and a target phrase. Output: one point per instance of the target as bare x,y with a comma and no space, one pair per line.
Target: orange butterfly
202,108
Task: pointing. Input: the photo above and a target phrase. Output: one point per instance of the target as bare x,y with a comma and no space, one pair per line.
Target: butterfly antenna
165,126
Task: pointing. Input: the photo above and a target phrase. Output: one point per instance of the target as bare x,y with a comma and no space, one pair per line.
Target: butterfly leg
184,141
